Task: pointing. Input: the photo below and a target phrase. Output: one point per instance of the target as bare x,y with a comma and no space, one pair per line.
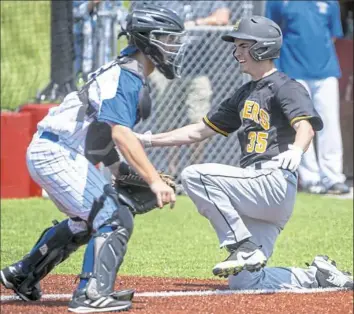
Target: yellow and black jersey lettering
257,142
253,111
214,127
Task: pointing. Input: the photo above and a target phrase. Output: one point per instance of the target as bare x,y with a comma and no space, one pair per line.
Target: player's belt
270,164
50,136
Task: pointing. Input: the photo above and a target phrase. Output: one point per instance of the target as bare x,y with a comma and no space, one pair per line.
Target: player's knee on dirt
245,280
53,247
105,253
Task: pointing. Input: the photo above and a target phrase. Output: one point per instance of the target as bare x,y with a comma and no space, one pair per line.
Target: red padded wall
15,137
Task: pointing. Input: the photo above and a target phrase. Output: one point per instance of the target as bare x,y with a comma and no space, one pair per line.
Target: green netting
25,50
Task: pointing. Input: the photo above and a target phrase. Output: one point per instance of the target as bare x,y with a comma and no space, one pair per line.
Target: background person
309,56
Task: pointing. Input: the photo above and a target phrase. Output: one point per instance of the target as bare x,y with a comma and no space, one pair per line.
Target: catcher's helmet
158,33
266,34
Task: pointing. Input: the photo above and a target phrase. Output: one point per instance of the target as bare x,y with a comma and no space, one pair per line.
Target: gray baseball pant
245,203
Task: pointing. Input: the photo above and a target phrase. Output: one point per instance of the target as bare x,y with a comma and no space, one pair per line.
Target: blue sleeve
273,11
335,23
80,8
122,109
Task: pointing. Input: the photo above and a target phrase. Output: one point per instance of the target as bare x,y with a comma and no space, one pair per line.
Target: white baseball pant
328,166
70,180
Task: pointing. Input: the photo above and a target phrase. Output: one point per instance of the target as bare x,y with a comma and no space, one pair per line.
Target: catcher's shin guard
105,253
53,247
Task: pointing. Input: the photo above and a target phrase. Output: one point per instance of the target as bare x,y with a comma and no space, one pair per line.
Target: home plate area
176,295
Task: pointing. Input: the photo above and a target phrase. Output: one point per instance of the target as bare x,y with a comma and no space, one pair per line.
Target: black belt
50,136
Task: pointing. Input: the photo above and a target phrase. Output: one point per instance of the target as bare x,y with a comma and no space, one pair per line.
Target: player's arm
133,152
297,106
223,120
120,112
189,134
304,134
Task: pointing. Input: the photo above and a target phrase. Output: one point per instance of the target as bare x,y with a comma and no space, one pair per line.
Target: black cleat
317,188
247,256
329,276
12,277
339,189
80,303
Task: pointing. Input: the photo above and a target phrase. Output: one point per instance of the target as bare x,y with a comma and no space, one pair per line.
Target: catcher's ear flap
145,102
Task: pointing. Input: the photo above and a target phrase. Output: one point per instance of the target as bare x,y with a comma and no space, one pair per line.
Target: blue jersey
114,94
308,28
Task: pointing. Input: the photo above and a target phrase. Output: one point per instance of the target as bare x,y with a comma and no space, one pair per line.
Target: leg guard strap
53,247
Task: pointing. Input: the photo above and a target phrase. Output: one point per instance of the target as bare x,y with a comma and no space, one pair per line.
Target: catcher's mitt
134,192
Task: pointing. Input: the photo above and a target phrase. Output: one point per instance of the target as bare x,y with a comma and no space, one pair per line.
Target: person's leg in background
329,139
309,170
198,103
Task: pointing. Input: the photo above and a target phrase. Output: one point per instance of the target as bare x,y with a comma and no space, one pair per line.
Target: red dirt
331,302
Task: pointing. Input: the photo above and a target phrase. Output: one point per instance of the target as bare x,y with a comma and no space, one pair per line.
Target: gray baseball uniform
256,200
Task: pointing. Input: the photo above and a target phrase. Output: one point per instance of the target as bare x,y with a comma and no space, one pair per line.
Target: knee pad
53,247
109,248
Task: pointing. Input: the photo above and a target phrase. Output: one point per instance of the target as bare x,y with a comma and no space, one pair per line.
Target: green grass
181,243
25,50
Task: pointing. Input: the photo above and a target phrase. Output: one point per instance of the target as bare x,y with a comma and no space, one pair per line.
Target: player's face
242,55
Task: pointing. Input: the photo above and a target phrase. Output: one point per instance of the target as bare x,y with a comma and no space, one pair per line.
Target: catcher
82,131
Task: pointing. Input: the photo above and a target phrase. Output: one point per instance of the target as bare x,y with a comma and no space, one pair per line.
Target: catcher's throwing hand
164,193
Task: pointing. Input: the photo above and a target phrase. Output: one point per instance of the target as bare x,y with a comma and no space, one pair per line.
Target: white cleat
329,276
247,256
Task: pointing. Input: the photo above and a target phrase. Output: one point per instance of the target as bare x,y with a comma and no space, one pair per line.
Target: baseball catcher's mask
158,33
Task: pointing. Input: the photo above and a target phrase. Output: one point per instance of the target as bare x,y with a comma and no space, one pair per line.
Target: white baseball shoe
329,276
246,256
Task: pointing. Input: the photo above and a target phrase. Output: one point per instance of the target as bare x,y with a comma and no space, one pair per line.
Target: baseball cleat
80,303
247,256
123,295
329,276
13,276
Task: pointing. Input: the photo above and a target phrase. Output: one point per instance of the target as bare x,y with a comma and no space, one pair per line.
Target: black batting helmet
158,33
266,34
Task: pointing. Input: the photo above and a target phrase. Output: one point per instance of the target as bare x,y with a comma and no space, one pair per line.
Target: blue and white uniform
55,157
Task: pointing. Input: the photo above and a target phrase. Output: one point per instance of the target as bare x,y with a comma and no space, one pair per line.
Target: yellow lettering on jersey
247,110
264,119
255,111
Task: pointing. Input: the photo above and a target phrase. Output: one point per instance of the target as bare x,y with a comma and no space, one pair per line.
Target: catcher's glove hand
134,192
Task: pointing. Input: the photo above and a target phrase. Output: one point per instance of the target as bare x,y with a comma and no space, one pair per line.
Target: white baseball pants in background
328,166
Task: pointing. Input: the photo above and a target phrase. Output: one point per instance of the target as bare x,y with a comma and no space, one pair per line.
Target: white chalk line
162,294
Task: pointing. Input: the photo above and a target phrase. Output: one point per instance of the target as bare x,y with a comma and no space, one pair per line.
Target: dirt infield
187,296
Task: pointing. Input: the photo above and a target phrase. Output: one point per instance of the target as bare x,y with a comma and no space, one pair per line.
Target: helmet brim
230,37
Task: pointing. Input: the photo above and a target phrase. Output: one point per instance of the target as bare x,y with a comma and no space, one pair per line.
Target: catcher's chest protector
99,146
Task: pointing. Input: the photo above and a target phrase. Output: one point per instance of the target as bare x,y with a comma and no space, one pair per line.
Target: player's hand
164,193
290,159
145,139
